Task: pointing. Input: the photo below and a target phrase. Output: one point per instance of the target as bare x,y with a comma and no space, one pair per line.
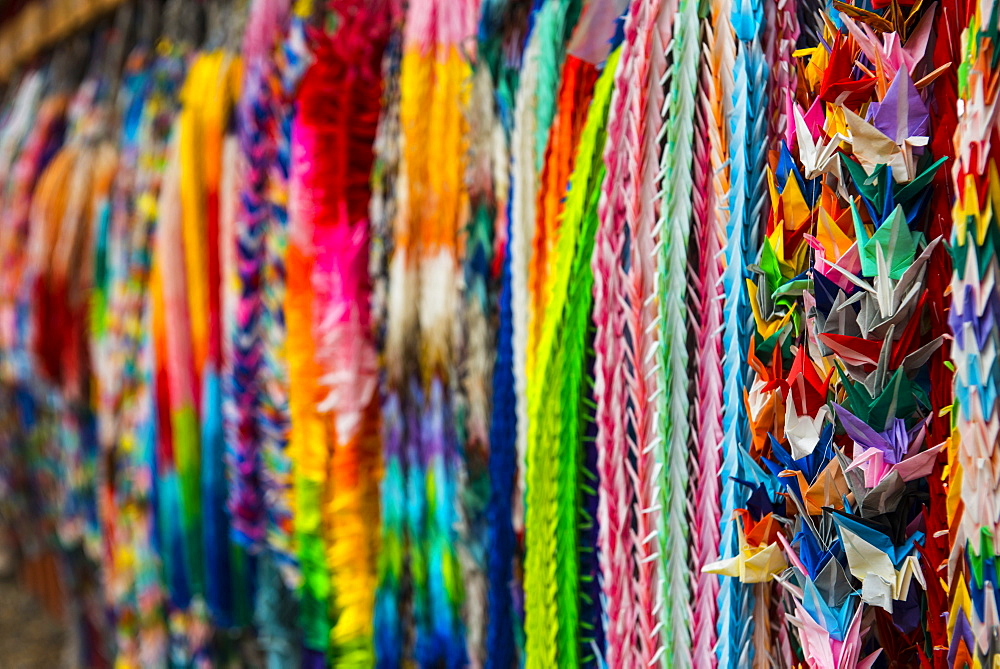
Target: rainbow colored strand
200,458
121,359
402,495
307,439
564,344
199,445
440,168
388,596
426,257
383,216
342,90
166,241
972,571
553,474
530,229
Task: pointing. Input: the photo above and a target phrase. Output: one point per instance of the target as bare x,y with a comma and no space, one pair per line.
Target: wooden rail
42,23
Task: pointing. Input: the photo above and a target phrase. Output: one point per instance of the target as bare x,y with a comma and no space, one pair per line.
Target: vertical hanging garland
426,256
167,74
641,318
258,148
338,103
616,494
307,436
277,607
746,152
474,357
972,570
122,357
711,186
535,108
202,123
163,297
402,481
780,37
675,225
499,47
389,605
575,247
838,234
403,334
552,623
188,322
439,167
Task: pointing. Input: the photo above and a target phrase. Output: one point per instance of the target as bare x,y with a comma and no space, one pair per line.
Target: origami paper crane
822,650
901,114
827,490
893,240
751,565
887,303
803,431
818,157
884,569
873,148
895,450
835,606
885,47
834,245
839,84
